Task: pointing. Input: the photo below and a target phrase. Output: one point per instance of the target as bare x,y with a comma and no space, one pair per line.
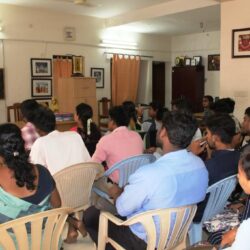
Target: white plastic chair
219,194
46,228
126,168
74,184
171,236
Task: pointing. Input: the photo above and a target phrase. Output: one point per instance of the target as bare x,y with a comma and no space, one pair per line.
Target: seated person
178,178
24,188
207,103
184,106
224,159
86,128
118,145
29,134
56,150
130,110
150,123
226,106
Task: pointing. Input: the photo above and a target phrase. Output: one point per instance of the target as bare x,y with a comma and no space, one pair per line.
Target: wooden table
60,125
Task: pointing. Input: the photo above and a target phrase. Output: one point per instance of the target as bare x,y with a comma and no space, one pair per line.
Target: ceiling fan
86,3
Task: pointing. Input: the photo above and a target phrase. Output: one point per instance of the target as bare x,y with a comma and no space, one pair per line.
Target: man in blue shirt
177,179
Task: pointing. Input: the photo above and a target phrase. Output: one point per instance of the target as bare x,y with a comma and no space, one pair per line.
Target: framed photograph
241,43
69,34
41,88
98,74
78,66
198,60
187,61
193,62
213,62
41,67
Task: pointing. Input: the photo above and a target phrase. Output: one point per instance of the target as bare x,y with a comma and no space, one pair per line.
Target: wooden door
158,82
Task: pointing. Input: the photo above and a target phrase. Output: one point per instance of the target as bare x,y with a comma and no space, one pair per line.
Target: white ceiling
169,17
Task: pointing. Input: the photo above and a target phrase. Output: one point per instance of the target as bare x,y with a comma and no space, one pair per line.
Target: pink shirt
116,146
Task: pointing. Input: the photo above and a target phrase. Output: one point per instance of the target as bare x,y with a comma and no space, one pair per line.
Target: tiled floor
82,243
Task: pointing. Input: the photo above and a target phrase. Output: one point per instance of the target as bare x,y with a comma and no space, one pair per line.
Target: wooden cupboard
188,82
74,90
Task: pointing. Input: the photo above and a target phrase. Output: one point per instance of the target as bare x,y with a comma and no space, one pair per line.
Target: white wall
201,44
33,33
235,77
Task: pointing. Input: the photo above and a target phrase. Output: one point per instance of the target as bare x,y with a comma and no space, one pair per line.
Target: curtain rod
113,53
62,56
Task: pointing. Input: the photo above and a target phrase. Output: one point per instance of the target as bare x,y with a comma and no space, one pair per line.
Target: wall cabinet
74,90
188,82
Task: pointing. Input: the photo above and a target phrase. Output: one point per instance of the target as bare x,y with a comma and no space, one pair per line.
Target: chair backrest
218,196
129,166
103,107
16,110
74,183
46,228
174,224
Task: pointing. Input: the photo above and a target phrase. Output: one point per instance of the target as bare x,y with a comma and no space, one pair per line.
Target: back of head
223,126
84,111
182,105
15,157
224,105
247,112
130,110
119,116
28,108
180,128
44,120
245,161
156,105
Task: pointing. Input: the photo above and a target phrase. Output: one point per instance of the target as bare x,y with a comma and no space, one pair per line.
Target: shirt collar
175,154
119,129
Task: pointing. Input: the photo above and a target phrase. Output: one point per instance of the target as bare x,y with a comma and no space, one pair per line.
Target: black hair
129,108
180,128
209,98
245,161
119,116
15,157
223,126
28,108
84,112
156,105
44,120
224,105
182,105
247,111
160,113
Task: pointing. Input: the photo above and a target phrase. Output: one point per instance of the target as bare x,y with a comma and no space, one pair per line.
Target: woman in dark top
24,188
86,127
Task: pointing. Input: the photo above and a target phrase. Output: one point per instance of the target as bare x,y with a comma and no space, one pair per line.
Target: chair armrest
112,218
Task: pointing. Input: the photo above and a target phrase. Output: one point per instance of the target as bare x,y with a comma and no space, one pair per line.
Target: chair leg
103,232
195,233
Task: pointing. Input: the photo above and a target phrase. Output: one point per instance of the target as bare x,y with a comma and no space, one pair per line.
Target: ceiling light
118,44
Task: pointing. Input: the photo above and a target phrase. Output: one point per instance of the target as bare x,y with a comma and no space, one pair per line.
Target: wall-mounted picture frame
198,60
98,74
241,43
213,62
78,66
69,33
41,88
41,67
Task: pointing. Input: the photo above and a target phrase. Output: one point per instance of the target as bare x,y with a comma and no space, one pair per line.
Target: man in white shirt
56,150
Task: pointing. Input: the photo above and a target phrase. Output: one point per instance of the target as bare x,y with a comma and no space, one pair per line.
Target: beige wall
201,44
235,72
36,33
